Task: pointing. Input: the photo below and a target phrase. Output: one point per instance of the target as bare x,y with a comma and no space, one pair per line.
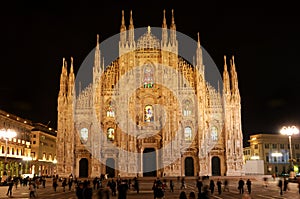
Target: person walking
182,184
79,191
64,184
241,184
171,186
280,185
226,187
113,187
54,183
10,187
285,184
249,183
219,186
31,190
122,190
199,185
212,186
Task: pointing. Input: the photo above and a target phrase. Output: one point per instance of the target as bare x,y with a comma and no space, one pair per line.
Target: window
214,133
255,146
281,146
148,113
110,110
34,142
110,134
34,135
266,146
188,134
12,151
267,157
296,146
2,149
148,77
84,135
274,146
187,108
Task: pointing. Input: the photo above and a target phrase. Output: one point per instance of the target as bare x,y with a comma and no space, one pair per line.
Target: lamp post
7,134
289,131
277,155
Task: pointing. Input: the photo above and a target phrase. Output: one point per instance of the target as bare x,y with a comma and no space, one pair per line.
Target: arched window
84,134
110,134
187,109
149,113
188,134
214,133
148,77
110,110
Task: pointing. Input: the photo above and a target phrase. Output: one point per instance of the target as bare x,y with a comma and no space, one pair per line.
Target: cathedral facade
149,113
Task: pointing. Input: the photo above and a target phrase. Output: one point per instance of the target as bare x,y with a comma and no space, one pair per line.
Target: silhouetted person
199,185
122,190
285,184
192,195
212,186
241,186
249,183
226,185
182,195
171,185
10,186
182,184
280,185
79,191
219,185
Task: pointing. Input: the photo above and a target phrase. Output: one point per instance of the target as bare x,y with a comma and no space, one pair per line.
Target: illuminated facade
209,140
43,150
274,150
17,148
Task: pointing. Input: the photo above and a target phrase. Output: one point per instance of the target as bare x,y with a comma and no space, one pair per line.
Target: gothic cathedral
149,113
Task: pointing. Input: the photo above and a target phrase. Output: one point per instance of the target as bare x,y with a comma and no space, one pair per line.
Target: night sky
263,37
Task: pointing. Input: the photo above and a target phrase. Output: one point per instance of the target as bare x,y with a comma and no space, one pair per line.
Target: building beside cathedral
116,125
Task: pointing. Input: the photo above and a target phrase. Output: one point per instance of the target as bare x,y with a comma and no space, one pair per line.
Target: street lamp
289,131
277,155
7,134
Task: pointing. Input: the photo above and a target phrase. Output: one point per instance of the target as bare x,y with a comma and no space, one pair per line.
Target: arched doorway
110,167
149,162
189,166
216,167
83,168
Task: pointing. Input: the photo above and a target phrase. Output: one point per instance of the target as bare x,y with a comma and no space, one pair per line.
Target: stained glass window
149,113
148,77
188,134
110,134
84,134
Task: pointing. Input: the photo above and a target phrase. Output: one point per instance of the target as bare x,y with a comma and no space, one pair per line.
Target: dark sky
263,37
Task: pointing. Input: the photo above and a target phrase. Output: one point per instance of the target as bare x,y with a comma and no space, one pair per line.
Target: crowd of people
104,188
